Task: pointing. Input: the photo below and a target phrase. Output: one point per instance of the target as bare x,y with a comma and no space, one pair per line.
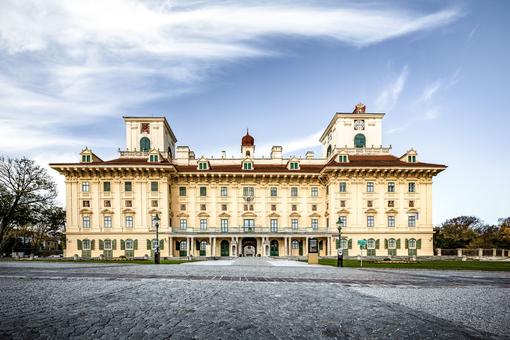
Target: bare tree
25,188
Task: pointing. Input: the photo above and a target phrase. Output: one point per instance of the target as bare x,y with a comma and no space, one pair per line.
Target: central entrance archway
249,246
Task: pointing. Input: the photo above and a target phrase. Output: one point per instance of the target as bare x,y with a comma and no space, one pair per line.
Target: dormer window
86,158
153,158
203,166
410,156
411,159
343,159
294,165
247,166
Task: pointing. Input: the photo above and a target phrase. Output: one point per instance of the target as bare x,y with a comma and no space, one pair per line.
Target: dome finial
247,140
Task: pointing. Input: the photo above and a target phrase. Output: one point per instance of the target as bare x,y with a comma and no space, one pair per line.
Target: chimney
276,152
310,155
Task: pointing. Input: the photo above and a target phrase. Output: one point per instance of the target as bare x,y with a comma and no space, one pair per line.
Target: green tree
25,188
457,232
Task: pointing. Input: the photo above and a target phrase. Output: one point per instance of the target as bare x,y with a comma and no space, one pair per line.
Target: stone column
210,246
459,252
480,252
214,246
285,245
438,250
192,243
305,253
494,252
170,246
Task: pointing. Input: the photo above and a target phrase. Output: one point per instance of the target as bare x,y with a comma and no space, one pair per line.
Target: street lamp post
340,258
156,252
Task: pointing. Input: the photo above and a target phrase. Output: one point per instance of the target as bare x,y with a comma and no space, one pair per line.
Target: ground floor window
86,249
392,247
371,247
129,251
183,248
411,244
203,247
295,244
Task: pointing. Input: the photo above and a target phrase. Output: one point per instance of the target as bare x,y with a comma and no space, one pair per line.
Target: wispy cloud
66,63
429,91
389,96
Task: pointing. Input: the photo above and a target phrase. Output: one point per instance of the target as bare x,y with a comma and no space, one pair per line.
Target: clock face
359,125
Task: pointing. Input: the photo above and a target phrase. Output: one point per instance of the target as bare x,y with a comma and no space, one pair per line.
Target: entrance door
224,248
300,248
274,248
203,247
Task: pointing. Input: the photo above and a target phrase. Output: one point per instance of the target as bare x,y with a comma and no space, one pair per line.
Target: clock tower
356,131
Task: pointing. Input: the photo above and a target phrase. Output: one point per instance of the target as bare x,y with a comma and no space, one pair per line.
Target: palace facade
248,205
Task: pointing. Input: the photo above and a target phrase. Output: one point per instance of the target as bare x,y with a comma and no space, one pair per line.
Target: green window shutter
377,244
114,244
101,245
349,244
398,243
418,244
148,244
122,245
135,244
92,245
385,243
79,244
197,245
161,244
177,245
406,244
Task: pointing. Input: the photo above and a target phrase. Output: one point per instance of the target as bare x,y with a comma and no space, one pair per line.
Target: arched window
328,153
392,244
412,243
183,245
371,243
145,144
359,140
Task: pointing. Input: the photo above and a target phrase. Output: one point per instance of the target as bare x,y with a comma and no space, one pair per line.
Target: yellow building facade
248,205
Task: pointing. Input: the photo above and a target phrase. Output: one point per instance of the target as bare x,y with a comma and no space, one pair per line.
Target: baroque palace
248,205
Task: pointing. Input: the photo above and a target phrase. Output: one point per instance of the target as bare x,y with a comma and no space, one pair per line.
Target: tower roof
247,140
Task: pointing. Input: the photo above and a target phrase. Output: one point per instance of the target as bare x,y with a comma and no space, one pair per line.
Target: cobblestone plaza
248,298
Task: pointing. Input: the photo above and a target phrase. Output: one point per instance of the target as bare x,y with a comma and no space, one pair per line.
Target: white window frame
411,244
391,186
183,245
273,190
155,244
370,243
274,224
344,220
294,192
343,187
223,191
390,245
203,224
85,187
315,223
411,221
295,244
370,187
370,221
183,224
86,244
391,221
411,187
107,242
129,244
315,192
85,220
294,223
107,221
129,221
224,225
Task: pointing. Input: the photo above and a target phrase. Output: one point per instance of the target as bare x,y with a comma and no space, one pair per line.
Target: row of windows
390,243
370,204
128,186
411,221
247,207
250,191
248,224
411,187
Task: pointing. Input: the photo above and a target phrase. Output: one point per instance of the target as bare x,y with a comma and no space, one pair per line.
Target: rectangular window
106,186
154,186
342,204
223,207
182,191
314,207
343,187
294,223
128,186
129,203
391,221
248,192
86,204
315,192
86,221
86,244
411,221
203,224
370,186
85,158
370,221
107,244
294,191
153,158
85,186
274,191
224,225
391,204
370,204
129,244
274,225
249,225
107,221
247,166
273,207
203,207
183,207
183,224
315,223
203,191
202,166
107,204
223,191
391,186
129,221
154,203
412,187
294,207
411,204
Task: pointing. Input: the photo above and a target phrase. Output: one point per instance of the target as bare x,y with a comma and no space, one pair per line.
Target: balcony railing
250,230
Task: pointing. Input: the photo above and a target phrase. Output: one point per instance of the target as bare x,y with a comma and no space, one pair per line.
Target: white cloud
389,96
65,63
429,91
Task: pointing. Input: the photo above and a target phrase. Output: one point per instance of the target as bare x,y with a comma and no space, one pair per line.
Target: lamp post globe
156,251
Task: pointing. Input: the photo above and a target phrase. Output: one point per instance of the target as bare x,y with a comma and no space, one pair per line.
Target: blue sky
439,69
